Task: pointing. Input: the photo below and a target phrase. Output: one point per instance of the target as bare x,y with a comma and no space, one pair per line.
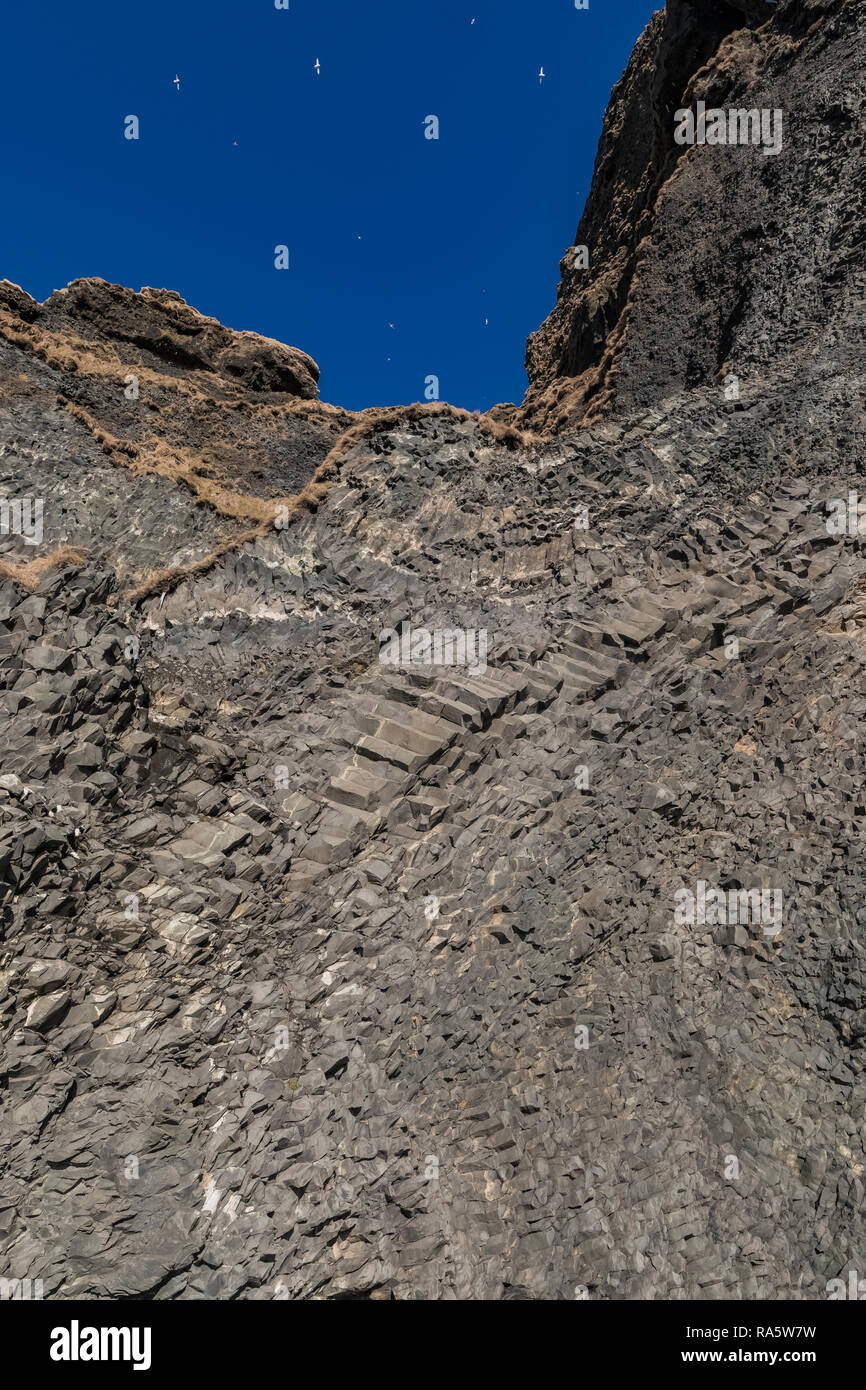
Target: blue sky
383,226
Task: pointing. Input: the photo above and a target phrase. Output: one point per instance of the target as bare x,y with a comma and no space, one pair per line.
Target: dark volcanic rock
711,259
144,393
535,970
163,324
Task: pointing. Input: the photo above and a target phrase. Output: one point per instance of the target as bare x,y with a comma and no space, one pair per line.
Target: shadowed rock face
706,259
166,408
323,976
166,328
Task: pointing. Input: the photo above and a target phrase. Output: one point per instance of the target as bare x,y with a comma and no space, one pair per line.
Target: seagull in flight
541,77
177,81
318,66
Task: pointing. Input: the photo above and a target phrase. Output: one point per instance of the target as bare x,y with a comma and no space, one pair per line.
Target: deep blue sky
452,231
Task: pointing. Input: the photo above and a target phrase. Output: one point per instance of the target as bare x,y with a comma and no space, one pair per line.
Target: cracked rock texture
710,259
327,978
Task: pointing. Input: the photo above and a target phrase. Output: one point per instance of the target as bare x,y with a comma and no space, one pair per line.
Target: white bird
177,81
541,76
318,66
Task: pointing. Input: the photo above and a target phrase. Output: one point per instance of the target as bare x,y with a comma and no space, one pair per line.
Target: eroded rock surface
327,977
705,260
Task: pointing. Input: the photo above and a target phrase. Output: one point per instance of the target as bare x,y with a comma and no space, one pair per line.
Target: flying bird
318,66
177,81
541,77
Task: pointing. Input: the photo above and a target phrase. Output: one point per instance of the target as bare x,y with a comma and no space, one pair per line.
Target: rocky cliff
705,260
535,971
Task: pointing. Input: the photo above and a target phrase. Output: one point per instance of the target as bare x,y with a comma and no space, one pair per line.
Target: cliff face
168,333
535,971
708,259
160,409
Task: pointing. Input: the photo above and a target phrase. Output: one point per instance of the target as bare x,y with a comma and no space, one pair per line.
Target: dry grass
163,581
314,492
28,573
30,339
87,359
371,421
180,465
154,457
157,459
307,500
118,450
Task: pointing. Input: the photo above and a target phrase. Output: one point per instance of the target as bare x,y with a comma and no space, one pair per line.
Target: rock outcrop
170,334
709,259
533,971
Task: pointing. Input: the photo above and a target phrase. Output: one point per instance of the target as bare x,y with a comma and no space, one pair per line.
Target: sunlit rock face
431,845
694,263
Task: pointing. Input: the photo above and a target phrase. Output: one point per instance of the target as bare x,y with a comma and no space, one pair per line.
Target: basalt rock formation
329,977
706,260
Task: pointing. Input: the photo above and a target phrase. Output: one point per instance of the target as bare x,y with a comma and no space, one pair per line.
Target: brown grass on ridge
28,573
316,489
86,358
153,457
